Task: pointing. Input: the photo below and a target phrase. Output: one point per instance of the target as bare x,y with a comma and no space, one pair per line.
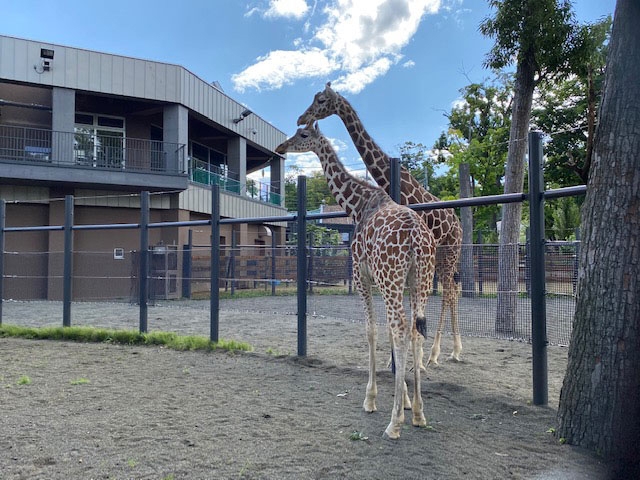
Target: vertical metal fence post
302,266
232,261
273,262
394,180
214,298
310,264
537,244
67,280
3,218
480,263
143,273
187,268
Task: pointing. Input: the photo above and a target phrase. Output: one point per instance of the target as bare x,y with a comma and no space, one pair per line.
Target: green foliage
24,380
318,191
358,436
543,32
568,109
563,217
123,337
478,135
322,236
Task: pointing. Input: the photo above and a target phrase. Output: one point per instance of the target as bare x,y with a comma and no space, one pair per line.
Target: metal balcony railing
82,150
205,174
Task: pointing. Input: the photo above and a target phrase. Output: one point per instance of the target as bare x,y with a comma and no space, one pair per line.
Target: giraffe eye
321,100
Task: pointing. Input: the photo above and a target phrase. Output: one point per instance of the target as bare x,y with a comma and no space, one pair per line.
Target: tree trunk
600,398
466,215
513,183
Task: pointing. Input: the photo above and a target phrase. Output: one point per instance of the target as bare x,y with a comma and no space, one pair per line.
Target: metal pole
394,180
302,266
537,243
273,262
67,282
310,268
3,218
187,257
214,298
350,267
480,263
144,260
232,264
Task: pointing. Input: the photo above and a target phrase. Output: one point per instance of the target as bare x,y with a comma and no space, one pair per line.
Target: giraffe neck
357,197
376,160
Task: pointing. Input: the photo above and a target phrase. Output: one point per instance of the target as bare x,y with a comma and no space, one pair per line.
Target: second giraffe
444,223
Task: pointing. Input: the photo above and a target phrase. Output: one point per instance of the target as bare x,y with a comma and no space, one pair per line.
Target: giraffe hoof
392,433
455,357
369,407
419,421
432,361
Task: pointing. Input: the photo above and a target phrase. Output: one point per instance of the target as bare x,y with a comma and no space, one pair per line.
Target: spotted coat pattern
444,223
392,248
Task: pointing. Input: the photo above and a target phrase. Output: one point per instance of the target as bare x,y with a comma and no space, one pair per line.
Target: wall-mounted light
46,56
242,116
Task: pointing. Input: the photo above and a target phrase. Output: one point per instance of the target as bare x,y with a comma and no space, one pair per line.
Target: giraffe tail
421,326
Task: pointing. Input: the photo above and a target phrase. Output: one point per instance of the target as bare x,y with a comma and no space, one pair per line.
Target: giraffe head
325,104
306,139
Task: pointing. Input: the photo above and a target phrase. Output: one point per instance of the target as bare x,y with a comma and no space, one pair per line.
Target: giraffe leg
457,342
435,348
400,350
417,407
369,404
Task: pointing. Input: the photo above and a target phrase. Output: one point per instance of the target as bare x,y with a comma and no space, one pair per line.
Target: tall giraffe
392,247
444,223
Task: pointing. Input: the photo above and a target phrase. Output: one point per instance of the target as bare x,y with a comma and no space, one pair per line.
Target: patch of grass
358,436
132,463
24,380
122,337
80,381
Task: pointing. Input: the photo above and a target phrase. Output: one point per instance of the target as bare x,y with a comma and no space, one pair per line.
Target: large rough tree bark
600,398
513,183
466,214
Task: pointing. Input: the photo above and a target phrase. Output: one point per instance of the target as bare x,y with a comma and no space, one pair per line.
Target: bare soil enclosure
105,411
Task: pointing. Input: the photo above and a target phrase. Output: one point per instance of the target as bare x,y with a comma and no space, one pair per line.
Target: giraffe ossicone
392,248
444,223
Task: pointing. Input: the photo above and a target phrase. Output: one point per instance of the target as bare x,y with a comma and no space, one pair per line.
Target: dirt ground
114,412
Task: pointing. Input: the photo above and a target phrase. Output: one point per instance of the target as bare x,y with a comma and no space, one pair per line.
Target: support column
277,178
63,118
237,159
175,130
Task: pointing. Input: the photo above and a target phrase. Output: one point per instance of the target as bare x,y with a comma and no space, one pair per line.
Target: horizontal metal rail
463,202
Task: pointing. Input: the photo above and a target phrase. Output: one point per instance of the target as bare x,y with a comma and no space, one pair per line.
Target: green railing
201,173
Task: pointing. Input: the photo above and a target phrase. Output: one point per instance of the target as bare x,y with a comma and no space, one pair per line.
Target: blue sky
401,63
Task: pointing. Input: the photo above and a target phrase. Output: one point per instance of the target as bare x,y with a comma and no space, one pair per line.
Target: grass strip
122,337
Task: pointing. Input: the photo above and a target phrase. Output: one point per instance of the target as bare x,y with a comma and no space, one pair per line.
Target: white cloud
357,40
287,8
409,64
282,67
354,82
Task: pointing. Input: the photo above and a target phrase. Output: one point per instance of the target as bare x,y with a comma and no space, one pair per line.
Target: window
99,140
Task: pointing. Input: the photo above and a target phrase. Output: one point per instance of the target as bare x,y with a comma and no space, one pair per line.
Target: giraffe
444,223
392,247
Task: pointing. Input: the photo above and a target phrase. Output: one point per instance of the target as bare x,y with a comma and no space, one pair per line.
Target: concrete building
104,128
